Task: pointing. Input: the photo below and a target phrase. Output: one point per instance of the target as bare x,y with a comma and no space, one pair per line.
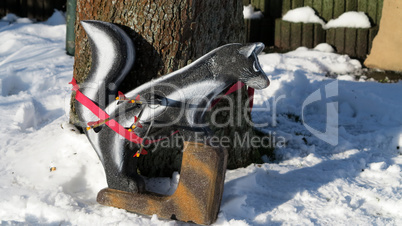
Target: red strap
74,83
235,87
102,115
131,136
250,92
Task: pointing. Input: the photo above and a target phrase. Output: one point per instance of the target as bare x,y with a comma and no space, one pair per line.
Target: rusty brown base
198,195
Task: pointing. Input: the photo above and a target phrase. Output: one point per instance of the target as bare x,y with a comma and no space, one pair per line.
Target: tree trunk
168,35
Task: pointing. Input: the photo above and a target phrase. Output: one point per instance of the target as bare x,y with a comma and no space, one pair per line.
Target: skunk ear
259,47
247,50
250,48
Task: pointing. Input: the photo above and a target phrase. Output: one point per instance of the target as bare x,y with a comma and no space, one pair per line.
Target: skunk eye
255,66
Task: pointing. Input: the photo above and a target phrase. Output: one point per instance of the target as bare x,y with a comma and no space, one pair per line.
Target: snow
324,47
356,182
350,19
250,13
318,61
58,18
12,18
302,15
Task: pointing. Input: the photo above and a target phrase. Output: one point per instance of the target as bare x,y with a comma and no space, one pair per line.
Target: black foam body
174,102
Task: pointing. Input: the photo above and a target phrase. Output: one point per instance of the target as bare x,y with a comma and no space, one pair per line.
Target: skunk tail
113,55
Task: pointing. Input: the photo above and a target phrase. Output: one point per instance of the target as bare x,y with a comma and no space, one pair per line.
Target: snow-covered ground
355,182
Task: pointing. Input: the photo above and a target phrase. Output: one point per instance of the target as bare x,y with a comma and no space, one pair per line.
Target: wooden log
258,4
372,10
267,34
308,35
327,9
339,8
247,27
319,34
362,5
198,194
12,6
48,8
3,10
273,9
295,35
30,8
286,6
350,5
60,5
361,43
317,5
330,36
350,41
285,35
22,8
340,39
39,10
278,39
264,5
297,4
255,32
308,3
372,33
379,10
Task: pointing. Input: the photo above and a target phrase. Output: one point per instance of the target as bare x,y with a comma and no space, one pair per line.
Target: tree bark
168,35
